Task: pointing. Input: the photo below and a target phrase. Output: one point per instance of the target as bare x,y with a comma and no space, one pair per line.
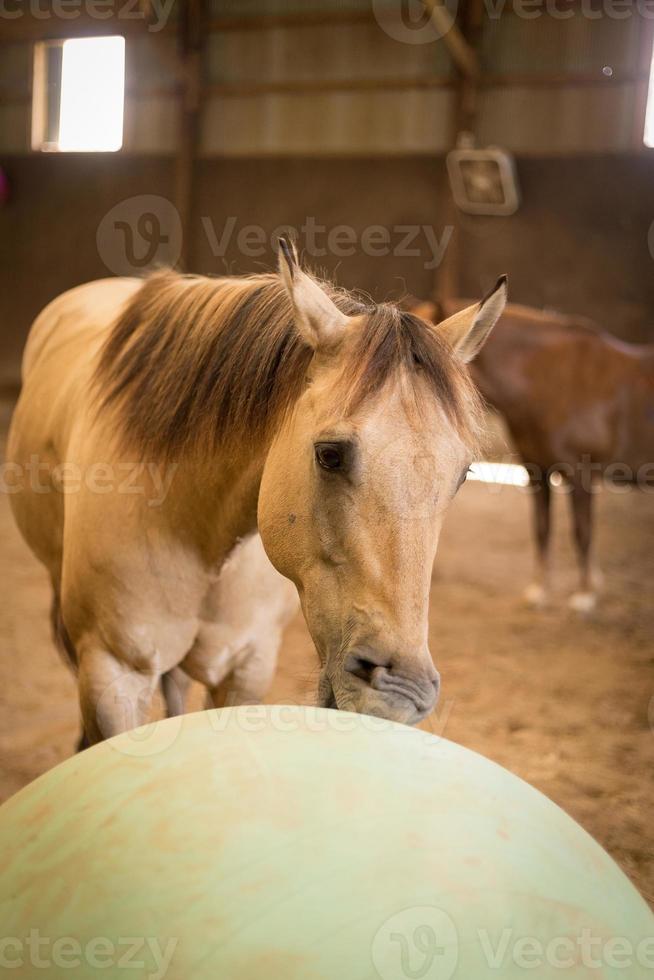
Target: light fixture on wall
79,94
483,181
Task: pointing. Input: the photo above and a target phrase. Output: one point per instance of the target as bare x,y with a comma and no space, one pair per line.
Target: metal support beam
191,37
464,40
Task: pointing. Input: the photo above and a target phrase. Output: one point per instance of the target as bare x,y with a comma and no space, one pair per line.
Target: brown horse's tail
60,635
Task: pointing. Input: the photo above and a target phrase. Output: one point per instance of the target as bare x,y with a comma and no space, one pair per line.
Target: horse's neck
212,502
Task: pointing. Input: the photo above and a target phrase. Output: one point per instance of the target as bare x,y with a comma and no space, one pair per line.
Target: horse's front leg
114,695
175,685
537,593
252,677
581,502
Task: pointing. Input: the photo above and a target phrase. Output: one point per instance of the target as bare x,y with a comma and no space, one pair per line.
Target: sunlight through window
92,93
79,90
648,136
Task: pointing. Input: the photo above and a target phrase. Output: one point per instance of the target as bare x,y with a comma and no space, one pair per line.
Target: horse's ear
467,331
317,317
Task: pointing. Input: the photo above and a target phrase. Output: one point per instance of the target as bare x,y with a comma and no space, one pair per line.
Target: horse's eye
329,456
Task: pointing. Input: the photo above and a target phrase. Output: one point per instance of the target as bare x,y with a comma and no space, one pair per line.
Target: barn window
79,90
648,136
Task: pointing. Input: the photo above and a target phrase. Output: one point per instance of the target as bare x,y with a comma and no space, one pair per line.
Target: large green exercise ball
286,843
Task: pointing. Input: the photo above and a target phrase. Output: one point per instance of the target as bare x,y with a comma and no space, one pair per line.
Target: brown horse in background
577,402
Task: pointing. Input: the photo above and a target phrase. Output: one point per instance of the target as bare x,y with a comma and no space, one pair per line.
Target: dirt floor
564,702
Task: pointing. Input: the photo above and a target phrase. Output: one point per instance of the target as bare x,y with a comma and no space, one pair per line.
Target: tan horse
577,402
348,428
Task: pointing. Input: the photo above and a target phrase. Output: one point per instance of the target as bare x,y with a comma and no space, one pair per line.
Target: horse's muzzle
401,689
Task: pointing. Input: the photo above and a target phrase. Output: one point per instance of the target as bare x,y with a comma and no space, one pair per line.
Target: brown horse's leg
537,593
581,500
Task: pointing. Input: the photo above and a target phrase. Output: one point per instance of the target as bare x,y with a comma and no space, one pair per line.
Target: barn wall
278,144
579,243
293,89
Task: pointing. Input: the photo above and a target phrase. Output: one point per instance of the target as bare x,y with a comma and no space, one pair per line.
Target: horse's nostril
393,678
362,667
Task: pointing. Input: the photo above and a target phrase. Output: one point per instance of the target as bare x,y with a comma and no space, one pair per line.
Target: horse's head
357,482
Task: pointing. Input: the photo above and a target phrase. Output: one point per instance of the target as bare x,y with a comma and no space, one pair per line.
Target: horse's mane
195,362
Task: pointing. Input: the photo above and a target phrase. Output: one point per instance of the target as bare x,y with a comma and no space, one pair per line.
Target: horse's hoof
536,595
583,602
